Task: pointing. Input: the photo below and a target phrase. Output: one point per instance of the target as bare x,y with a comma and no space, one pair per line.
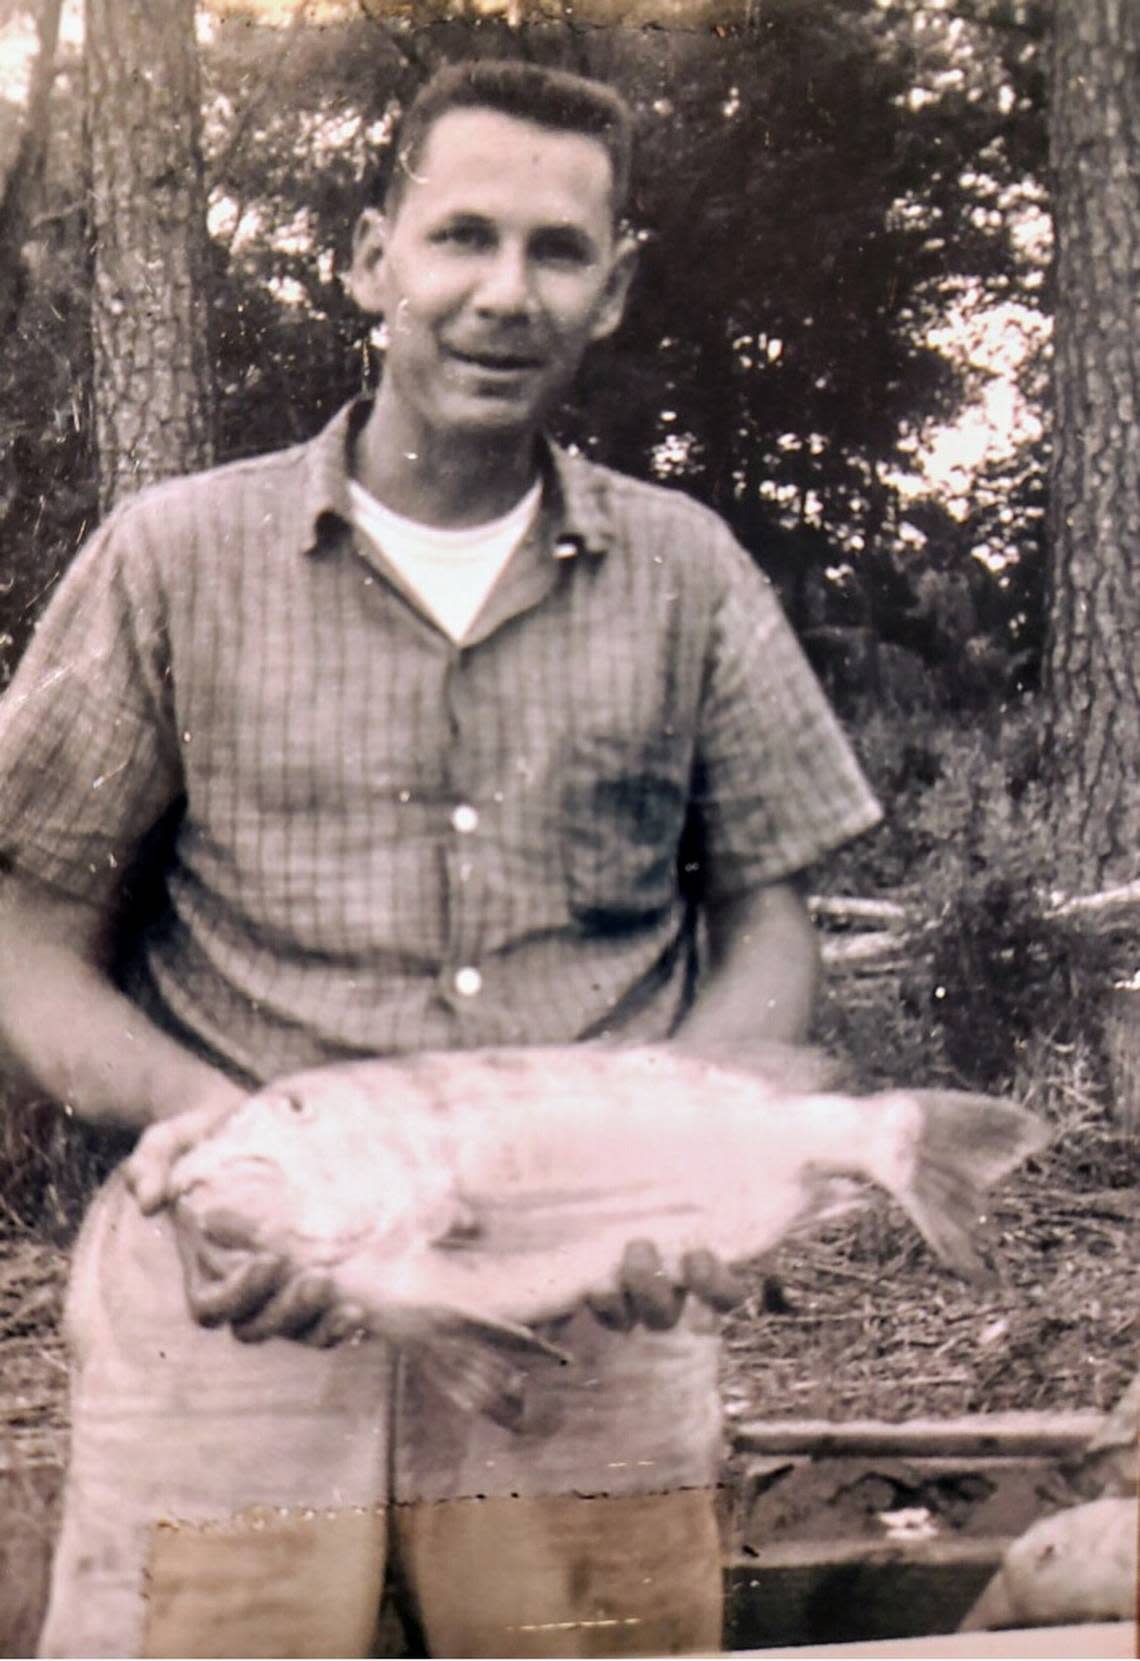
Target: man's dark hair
551,98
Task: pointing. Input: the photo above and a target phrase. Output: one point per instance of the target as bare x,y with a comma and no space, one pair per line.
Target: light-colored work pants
246,1500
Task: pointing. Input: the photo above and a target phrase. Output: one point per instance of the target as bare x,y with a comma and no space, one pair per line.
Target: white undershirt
451,572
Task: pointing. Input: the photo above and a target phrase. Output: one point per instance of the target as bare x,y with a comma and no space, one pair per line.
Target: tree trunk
1093,645
150,314
22,188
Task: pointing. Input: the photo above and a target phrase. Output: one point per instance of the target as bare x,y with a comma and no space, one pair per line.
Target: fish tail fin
964,1145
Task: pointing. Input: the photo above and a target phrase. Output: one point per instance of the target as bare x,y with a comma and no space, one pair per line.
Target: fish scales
481,1192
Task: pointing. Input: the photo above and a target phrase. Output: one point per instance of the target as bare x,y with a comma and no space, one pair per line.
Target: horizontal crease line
574,1626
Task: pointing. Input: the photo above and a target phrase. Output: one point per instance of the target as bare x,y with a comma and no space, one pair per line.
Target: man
457,731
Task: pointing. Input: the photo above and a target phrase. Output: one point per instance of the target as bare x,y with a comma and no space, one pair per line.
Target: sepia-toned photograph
569,827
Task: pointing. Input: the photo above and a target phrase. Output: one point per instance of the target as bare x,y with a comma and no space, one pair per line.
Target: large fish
474,1194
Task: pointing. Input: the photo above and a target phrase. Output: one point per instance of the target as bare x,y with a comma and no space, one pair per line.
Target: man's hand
148,1169
258,1293
228,1280
645,1294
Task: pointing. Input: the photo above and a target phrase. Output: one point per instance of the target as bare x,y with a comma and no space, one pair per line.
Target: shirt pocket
624,807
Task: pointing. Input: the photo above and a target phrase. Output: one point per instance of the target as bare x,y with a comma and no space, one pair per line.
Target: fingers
290,1311
644,1293
710,1278
258,1293
611,1308
343,1323
222,1285
257,1298
656,1301
147,1171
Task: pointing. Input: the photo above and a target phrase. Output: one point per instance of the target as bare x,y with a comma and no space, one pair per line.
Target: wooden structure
865,1531
818,1548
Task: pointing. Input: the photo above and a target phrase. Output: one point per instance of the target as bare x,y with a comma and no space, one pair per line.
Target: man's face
494,274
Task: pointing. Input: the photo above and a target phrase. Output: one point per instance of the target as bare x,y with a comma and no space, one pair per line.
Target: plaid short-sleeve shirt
385,841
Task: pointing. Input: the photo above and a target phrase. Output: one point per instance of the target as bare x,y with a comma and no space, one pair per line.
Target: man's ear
611,307
365,274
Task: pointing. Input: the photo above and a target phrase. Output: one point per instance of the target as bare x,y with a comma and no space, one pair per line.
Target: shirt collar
575,508
327,509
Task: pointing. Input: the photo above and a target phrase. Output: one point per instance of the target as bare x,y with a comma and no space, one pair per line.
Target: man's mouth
497,363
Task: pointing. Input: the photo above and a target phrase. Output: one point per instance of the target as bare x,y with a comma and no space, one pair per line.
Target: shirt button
465,817
467,982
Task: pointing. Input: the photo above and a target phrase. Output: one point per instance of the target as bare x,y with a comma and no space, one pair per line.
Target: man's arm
75,1035
763,971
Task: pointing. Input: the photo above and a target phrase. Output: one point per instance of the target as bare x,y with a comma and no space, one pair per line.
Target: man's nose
505,287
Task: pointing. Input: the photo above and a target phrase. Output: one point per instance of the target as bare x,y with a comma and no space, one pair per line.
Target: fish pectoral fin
474,1378
504,1337
414,1323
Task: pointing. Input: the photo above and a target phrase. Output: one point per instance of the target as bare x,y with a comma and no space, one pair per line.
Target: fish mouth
251,1175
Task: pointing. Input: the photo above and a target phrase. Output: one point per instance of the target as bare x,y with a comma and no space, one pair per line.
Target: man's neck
447,481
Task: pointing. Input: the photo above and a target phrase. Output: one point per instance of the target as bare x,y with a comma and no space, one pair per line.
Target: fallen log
1112,905
882,949
976,1435
841,909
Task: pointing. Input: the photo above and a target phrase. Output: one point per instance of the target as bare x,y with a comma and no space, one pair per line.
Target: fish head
310,1167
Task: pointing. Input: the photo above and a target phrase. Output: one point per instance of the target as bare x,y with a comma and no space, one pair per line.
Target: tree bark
1093,644
154,399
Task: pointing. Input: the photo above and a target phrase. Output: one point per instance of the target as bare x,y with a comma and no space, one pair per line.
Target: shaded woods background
849,277
821,193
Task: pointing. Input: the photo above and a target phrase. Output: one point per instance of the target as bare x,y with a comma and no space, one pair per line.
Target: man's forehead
486,155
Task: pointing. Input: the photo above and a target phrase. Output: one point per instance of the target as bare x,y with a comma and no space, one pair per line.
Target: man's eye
561,250
463,236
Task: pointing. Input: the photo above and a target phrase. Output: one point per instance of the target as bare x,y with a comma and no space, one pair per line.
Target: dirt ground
872,1328
858,1323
